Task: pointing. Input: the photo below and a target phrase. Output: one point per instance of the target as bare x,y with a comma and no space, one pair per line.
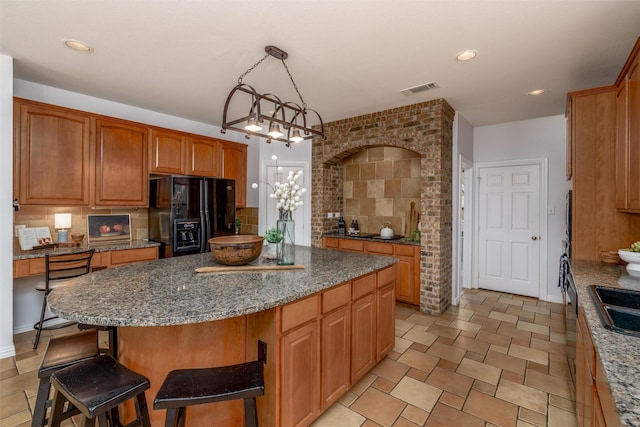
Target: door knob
534,237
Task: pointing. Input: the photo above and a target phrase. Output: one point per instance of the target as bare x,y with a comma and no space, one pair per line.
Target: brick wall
425,129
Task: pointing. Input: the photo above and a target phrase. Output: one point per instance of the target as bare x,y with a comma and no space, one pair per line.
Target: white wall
537,138
7,348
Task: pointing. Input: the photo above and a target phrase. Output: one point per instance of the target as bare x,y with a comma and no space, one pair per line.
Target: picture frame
108,228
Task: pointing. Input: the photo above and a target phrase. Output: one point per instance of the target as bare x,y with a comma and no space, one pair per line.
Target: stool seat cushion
68,349
98,384
185,387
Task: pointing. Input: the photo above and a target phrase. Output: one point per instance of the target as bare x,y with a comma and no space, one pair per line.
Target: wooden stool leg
103,420
40,409
57,408
173,415
250,412
142,411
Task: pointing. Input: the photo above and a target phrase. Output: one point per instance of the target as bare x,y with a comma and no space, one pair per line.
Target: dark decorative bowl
236,250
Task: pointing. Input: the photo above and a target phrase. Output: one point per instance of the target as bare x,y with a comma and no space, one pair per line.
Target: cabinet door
122,174
622,166
202,157
233,158
386,314
363,336
300,376
405,286
53,147
167,152
335,341
633,117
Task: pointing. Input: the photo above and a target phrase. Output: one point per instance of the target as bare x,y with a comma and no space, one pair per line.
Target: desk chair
58,269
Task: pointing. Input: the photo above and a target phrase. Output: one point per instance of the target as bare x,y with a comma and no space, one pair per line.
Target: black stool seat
97,386
63,351
187,387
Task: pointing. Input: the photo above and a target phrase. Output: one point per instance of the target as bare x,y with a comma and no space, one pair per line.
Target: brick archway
425,128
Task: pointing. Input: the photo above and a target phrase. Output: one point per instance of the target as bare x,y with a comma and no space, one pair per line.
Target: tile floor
495,360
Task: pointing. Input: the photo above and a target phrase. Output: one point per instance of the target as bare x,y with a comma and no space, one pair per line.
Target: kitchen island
617,354
170,317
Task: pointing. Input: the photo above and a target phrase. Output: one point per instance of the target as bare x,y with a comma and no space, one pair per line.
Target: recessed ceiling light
466,55
77,45
537,92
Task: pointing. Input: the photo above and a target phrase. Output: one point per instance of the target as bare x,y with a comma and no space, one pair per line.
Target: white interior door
269,214
509,233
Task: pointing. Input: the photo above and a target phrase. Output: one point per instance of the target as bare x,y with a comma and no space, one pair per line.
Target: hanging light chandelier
283,121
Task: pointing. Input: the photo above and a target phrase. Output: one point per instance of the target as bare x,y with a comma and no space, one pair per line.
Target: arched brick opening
425,128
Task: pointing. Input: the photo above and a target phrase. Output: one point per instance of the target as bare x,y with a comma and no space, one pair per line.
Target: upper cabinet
167,152
122,176
203,157
628,134
65,157
233,158
52,155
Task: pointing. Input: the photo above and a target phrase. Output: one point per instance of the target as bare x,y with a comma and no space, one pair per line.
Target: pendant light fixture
287,121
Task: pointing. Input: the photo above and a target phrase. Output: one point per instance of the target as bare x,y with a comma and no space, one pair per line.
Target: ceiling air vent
420,88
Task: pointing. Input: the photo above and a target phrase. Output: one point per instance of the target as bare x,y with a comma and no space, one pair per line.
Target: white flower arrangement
288,194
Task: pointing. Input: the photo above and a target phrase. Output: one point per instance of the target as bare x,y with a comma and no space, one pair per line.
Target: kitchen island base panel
155,351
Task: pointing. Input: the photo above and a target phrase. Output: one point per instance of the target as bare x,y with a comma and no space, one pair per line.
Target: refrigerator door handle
207,214
203,220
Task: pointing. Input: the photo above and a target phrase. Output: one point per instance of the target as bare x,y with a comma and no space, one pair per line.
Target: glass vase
286,250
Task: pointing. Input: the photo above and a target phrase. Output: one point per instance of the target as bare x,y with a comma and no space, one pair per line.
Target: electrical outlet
18,227
330,215
337,215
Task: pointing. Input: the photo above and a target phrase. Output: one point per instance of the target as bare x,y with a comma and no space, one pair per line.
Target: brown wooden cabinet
628,134
385,312
407,280
363,326
594,404
203,157
597,224
52,159
233,161
122,174
167,152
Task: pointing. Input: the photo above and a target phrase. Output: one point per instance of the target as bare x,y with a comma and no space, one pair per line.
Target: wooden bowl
77,237
236,250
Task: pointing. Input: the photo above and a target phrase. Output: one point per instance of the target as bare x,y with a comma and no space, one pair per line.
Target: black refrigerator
186,211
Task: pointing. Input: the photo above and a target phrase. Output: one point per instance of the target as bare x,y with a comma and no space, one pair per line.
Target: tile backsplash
35,216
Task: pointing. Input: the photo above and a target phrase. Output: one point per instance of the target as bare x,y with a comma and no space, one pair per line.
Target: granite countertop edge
168,291
618,353
19,254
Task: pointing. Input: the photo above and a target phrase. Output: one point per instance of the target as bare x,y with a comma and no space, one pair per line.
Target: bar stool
96,387
63,351
58,269
187,387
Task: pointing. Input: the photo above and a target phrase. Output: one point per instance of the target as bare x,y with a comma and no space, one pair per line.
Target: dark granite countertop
619,353
371,238
169,292
102,247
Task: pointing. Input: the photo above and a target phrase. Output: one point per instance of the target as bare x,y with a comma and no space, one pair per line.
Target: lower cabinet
330,340
594,404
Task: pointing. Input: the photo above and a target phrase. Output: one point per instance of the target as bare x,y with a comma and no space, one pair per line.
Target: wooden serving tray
248,268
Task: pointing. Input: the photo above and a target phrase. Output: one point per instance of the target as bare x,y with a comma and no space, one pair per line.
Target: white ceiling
347,57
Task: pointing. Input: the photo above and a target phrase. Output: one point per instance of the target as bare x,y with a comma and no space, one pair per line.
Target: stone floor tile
480,371
446,416
470,344
452,400
489,408
443,331
474,356
509,330
415,415
403,326
561,418
401,344
419,347
364,382
506,362
417,393
522,314
445,340
548,346
562,403
422,361
422,319
503,317
532,417
464,325
452,382
339,416
419,335
447,364
447,352
380,407
553,385
532,327
417,374
510,376
348,398
538,356
391,370
522,395
383,384
499,349
484,387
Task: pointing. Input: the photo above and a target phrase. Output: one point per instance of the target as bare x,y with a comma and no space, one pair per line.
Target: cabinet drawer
28,267
336,297
386,276
380,248
363,286
133,255
352,245
405,250
299,312
331,242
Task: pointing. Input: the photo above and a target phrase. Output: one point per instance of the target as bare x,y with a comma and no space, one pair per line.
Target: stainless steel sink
619,309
